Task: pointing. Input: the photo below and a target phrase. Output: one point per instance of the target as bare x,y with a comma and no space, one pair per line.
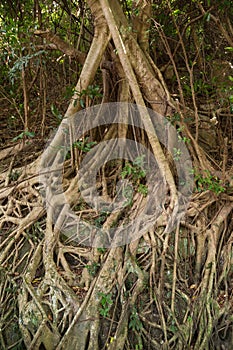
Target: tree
170,288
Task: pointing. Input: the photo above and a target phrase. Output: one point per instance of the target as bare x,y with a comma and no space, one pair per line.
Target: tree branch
59,44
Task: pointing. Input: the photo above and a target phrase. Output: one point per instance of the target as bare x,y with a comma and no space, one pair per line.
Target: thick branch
61,45
141,22
94,57
124,56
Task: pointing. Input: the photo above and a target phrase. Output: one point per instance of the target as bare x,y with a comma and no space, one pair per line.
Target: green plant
14,175
208,182
19,346
180,137
101,219
101,250
106,303
24,134
56,112
139,346
34,233
231,103
177,154
173,119
200,86
92,92
84,145
128,195
135,171
173,326
21,63
81,205
229,48
143,189
12,289
93,268
135,323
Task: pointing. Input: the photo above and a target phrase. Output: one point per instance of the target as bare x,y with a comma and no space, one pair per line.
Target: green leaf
143,189
55,112
82,103
228,48
176,12
29,134
20,136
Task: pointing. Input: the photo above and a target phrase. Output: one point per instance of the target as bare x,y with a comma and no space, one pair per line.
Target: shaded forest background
165,290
